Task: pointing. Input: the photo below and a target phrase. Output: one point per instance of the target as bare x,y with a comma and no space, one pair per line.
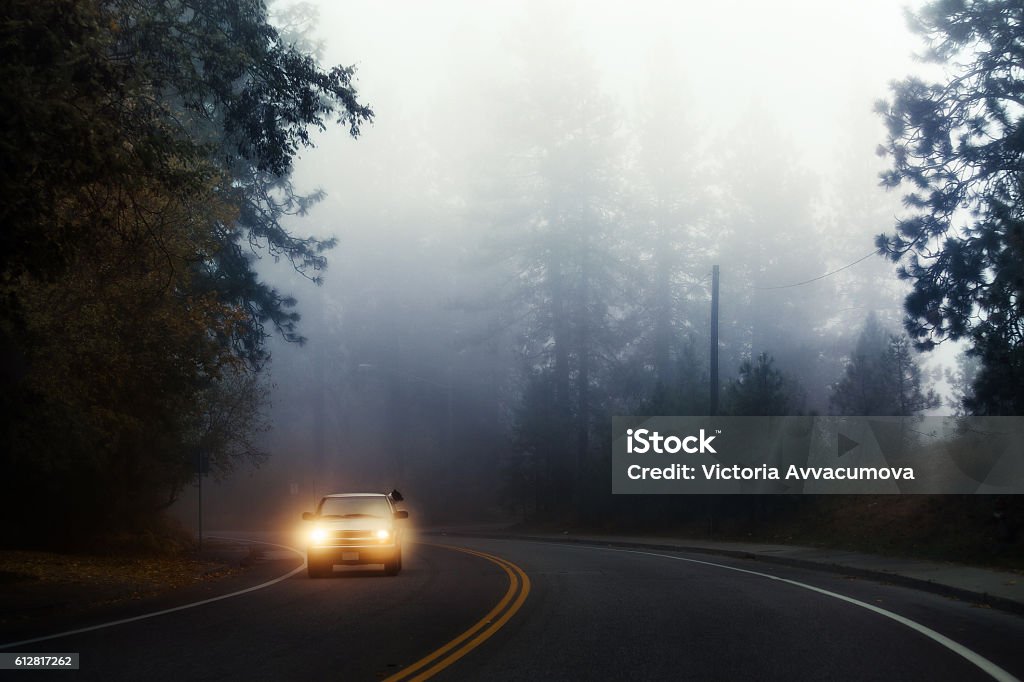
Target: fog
626,147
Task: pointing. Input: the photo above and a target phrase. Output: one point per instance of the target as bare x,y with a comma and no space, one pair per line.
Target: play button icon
845,444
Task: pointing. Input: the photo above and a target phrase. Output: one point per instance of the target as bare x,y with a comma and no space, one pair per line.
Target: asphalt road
515,610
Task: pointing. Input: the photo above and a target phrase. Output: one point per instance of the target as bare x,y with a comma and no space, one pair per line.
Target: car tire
393,566
318,569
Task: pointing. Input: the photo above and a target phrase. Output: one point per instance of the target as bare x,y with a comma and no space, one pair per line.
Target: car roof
357,495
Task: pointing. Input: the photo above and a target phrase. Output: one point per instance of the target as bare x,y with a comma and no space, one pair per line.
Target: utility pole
319,404
449,435
714,379
201,465
714,341
200,503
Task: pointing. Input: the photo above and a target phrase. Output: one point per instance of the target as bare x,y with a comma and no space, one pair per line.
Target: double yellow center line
435,662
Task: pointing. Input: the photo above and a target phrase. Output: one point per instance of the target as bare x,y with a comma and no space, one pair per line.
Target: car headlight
383,534
318,535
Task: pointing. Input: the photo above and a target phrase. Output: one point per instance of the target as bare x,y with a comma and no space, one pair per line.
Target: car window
354,507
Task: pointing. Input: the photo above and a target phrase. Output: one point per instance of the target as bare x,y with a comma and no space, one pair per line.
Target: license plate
350,556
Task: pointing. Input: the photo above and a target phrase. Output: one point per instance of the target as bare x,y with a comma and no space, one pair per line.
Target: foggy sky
801,77
779,95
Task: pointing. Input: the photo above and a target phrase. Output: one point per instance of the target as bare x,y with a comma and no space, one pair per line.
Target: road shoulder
36,608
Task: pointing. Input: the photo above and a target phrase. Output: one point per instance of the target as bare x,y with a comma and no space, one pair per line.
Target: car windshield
353,507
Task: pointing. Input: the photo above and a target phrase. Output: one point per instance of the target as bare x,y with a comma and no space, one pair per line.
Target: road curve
579,613
606,613
358,625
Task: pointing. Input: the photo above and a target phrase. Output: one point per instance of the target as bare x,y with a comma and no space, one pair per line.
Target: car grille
352,537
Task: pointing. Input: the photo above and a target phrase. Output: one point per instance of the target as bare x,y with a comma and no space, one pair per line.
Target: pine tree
959,145
882,378
761,389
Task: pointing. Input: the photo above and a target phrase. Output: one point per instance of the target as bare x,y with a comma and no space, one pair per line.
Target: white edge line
163,612
977,659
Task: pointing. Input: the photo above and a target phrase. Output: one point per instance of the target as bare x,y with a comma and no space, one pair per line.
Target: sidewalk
1000,589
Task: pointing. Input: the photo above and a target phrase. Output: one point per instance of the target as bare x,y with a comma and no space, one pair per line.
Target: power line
815,279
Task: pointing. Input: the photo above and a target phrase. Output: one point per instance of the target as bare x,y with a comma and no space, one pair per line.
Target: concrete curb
983,598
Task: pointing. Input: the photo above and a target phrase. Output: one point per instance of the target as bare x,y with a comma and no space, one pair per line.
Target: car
354,529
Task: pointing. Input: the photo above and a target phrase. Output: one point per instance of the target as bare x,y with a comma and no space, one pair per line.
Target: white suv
354,528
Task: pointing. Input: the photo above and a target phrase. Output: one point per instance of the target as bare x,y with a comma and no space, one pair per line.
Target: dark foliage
959,146
145,161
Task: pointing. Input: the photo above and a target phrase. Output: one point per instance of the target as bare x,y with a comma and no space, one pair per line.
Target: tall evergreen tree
147,154
959,146
881,378
670,230
760,389
556,231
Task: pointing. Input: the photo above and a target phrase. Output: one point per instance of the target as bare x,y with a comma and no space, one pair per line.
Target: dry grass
144,574
958,528
38,585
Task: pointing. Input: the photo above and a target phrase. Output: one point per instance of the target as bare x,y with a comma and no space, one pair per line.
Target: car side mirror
308,516
401,514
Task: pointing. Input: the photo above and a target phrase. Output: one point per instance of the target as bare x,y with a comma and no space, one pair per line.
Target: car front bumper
352,554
